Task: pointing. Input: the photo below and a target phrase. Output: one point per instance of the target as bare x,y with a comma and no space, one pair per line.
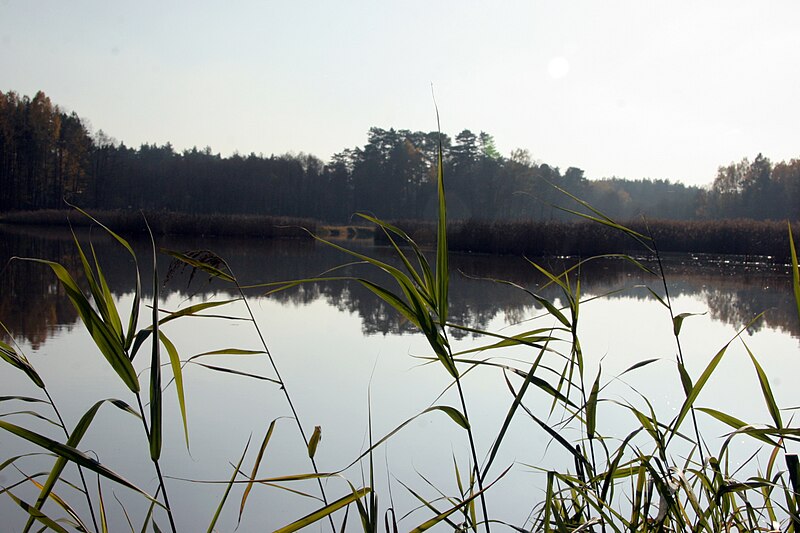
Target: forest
49,156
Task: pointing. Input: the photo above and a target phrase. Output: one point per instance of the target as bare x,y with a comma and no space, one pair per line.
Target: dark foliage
585,238
47,156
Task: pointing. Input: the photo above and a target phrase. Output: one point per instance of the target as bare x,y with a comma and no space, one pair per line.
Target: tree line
48,155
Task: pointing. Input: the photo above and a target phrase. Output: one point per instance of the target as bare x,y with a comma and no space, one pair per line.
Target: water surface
346,358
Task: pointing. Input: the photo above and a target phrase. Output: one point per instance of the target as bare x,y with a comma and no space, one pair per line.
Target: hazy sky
626,88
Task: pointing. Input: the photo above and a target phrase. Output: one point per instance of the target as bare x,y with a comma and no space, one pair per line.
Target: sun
558,67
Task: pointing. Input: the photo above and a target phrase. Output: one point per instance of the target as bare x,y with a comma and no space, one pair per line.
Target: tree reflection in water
33,306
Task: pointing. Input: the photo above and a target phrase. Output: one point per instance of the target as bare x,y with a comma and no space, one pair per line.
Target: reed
586,238
173,223
663,476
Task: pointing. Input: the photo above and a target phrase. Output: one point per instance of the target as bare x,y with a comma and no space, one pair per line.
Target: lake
347,358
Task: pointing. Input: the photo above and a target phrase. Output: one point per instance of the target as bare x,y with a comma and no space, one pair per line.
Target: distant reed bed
173,223
586,238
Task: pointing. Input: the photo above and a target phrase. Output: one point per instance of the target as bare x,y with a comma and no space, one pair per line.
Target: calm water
343,353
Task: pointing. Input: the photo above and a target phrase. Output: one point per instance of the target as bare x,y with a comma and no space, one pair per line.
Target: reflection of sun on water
558,67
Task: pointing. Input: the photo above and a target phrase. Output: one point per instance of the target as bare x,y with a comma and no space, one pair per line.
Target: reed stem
158,468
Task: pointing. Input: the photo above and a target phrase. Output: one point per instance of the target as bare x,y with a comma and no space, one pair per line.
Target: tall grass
586,238
174,223
663,476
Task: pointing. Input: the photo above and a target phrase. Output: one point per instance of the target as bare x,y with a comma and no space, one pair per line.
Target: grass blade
445,514
766,390
177,373
324,511
511,412
134,316
37,514
795,271
442,274
17,360
677,322
70,454
452,412
228,489
156,408
104,337
102,506
254,473
74,439
591,407
698,386
200,265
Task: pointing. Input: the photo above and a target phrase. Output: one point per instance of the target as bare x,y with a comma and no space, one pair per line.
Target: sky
626,88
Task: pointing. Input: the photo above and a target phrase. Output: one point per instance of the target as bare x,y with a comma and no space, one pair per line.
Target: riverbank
529,238
170,223
586,238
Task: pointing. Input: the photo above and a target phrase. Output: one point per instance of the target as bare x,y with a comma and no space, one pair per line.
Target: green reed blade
94,288
429,505
591,407
324,511
425,280
698,386
228,489
17,360
22,398
33,414
65,506
149,514
658,298
193,310
134,316
392,299
795,271
406,284
511,412
686,379
442,273
552,277
156,407
70,454
200,265
102,507
734,422
456,415
533,338
677,321
237,372
601,217
553,310
556,435
74,439
36,514
111,314
638,500
614,470
177,374
766,390
227,351
445,514
104,338
256,465
124,513
640,364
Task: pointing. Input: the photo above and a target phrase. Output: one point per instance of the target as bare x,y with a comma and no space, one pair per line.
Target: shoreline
527,238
